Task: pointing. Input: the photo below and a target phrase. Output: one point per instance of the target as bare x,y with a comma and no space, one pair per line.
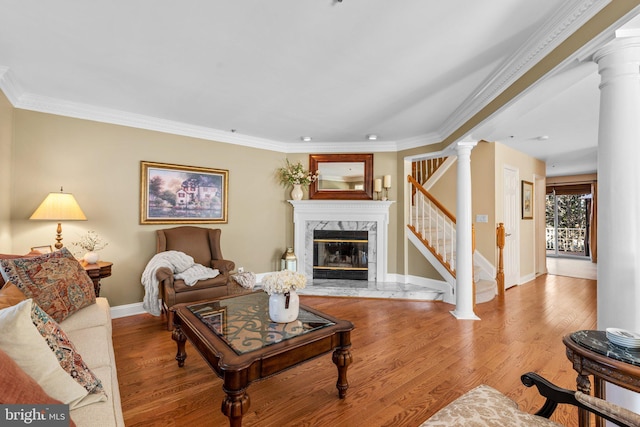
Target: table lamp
59,207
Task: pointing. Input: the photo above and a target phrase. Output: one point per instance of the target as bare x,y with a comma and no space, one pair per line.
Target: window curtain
593,220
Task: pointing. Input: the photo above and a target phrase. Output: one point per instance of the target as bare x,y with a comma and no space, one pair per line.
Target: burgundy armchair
203,244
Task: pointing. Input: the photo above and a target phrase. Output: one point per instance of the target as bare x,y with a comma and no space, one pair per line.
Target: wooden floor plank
410,359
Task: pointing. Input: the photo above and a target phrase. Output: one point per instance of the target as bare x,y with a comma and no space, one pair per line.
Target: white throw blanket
182,265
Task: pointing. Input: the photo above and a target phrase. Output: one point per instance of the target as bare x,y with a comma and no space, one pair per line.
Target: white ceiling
265,73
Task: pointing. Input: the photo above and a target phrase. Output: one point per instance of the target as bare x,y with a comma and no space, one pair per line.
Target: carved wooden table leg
584,385
180,339
342,359
236,401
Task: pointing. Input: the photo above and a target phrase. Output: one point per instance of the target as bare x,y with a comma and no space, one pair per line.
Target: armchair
203,244
486,406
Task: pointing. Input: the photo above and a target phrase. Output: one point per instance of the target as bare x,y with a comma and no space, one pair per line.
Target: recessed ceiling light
305,138
542,137
372,137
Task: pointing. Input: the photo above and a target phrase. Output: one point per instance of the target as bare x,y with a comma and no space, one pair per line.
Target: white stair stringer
484,273
448,286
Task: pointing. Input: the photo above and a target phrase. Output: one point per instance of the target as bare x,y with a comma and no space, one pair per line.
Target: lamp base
58,244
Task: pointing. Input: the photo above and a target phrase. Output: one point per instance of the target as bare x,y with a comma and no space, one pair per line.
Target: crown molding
565,21
9,86
562,24
105,115
343,147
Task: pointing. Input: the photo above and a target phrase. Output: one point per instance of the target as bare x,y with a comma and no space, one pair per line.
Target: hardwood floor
410,359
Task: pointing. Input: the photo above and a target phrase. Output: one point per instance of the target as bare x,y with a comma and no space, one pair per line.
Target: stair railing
422,170
433,225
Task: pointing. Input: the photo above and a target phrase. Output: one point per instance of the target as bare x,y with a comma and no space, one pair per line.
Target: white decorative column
619,194
464,244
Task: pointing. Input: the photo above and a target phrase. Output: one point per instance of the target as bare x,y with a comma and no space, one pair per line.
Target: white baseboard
527,278
127,310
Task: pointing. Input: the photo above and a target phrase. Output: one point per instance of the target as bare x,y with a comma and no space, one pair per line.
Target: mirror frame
366,194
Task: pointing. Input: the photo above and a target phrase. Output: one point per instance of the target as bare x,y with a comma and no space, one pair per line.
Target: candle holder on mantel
387,185
377,187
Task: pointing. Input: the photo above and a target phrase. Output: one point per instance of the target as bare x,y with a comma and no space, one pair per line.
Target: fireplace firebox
340,254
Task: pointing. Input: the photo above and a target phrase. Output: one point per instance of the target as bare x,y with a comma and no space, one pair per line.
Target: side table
97,271
591,353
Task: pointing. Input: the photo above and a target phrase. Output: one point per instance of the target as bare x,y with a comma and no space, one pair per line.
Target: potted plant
91,243
295,174
284,303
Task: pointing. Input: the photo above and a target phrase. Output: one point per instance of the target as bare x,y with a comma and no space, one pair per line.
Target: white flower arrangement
283,281
295,173
91,242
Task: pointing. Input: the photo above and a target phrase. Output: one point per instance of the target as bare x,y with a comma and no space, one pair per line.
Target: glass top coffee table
242,345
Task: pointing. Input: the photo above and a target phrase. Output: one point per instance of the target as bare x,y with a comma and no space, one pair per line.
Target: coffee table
242,345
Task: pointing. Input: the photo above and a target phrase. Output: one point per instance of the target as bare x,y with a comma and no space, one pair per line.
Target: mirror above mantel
342,176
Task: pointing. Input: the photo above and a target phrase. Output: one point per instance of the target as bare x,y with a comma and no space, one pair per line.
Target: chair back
203,244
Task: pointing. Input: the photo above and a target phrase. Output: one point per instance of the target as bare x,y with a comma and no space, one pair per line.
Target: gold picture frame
44,249
527,200
172,194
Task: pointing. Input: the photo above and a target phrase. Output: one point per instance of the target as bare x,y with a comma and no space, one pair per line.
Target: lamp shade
59,207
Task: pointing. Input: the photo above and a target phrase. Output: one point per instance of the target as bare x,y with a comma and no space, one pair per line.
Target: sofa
62,351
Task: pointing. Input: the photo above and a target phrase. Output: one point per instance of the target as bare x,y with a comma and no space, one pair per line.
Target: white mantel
361,211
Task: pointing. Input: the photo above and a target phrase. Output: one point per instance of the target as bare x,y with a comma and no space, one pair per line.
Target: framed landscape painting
171,194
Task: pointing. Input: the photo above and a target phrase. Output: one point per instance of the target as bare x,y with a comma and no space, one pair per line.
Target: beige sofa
87,327
90,331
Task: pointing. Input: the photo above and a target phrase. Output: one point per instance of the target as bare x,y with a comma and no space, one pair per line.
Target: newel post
500,240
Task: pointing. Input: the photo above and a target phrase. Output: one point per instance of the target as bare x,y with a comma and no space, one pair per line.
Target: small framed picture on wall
527,200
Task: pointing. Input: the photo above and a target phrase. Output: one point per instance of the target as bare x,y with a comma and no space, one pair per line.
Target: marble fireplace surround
373,216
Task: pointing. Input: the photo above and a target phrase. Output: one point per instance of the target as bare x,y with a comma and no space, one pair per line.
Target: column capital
465,145
618,45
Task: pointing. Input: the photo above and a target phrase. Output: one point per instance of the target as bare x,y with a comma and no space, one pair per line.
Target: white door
511,219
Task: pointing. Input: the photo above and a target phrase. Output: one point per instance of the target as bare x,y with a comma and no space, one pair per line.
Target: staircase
433,232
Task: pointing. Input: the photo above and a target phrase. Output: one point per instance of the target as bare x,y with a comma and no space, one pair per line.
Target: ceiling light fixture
542,137
372,137
306,138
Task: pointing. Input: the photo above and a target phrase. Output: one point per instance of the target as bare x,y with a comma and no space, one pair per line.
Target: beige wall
100,164
6,131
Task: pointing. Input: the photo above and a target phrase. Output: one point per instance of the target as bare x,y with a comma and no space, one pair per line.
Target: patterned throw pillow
12,256
56,282
66,353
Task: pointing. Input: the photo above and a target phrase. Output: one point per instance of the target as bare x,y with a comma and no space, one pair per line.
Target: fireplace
371,217
340,254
